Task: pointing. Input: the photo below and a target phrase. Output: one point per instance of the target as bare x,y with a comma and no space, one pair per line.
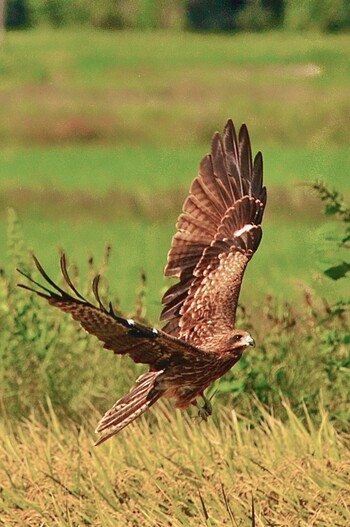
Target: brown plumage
217,234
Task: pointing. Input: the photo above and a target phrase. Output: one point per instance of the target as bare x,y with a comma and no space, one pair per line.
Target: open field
147,170
101,135
282,474
170,89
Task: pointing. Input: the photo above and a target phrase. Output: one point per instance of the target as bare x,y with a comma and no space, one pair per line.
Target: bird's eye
234,339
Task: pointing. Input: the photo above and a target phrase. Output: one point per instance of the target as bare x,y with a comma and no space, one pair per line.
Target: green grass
145,170
170,89
176,472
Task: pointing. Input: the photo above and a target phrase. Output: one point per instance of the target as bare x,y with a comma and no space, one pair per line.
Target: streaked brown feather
225,198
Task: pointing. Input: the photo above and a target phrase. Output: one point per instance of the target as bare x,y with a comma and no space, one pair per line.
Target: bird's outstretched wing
217,234
124,336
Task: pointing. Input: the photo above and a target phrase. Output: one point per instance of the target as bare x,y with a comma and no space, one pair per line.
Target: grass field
147,170
176,472
172,89
101,136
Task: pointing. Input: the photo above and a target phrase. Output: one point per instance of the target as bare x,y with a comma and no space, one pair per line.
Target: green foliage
105,14
204,15
225,15
17,14
212,15
338,237
324,15
20,327
335,264
255,17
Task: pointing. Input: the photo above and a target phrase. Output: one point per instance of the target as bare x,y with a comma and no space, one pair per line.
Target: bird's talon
205,411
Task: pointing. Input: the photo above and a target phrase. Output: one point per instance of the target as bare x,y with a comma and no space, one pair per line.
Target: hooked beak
250,341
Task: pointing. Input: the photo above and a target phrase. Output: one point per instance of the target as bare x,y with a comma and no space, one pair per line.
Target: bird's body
217,233
186,382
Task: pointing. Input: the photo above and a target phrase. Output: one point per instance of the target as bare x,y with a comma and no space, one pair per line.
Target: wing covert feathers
217,234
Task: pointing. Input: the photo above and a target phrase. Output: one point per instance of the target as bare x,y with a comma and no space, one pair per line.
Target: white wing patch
246,228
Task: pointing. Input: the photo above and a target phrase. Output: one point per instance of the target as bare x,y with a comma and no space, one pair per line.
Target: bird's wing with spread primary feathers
217,234
124,336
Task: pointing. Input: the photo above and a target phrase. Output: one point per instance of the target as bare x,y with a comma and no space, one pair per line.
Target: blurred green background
102,132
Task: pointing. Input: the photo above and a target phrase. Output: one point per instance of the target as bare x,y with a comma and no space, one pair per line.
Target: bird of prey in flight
218,232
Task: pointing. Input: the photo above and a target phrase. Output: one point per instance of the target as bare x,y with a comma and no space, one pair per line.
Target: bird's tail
141,397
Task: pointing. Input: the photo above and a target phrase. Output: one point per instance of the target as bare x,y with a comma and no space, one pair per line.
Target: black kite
217,234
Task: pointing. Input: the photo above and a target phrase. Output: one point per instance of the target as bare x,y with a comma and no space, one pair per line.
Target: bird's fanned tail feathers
141,397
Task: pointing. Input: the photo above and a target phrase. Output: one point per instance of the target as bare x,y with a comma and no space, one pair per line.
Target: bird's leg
206,410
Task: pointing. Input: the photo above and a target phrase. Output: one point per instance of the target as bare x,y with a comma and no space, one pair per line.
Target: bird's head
231,343
239,340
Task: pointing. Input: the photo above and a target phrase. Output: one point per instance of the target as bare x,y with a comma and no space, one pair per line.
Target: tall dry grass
170,470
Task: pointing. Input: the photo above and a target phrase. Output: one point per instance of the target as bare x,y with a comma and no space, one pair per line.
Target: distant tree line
202,15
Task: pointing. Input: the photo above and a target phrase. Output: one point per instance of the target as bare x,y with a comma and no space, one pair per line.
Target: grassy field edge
169,469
